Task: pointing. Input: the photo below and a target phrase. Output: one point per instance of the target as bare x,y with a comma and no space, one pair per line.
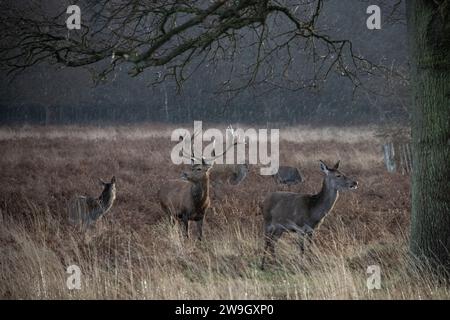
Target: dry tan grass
298,134
135,252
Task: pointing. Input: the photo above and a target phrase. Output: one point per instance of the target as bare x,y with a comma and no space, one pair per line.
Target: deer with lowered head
301,213
288,176
232,174
187,199
87,210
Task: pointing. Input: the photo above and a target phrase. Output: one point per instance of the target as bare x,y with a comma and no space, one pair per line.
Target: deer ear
102,183
113,179
323,167
336,166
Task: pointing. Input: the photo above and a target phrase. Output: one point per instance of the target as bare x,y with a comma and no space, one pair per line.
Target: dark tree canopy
175,37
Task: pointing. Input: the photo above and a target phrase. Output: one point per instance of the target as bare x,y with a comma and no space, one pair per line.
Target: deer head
336,179
108,185
199,171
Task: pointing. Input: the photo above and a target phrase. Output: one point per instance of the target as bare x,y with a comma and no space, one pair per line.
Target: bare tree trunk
166,102
429,31
47,114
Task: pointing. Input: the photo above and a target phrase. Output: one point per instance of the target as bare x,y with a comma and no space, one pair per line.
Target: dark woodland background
47,95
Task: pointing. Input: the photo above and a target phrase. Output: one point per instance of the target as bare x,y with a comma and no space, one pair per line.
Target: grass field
135,252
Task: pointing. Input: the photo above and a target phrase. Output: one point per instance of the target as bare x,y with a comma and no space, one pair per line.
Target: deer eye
338,175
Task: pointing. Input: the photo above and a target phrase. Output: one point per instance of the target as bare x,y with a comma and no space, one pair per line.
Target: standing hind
301,213
85,210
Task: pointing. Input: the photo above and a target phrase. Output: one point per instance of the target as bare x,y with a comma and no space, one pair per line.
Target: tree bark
429,35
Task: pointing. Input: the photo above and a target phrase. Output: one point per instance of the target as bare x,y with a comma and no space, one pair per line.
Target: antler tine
234,135
235,142
194,134
219,155
191,157
231,131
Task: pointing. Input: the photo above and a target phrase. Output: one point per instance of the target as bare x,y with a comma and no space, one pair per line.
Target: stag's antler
235,139
192,157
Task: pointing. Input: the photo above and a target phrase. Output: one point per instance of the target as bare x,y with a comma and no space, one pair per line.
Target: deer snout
353,185
184,176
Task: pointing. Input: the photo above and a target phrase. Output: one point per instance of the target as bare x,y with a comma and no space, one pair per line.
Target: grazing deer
187,199
294,212
231,173
87,210
288,175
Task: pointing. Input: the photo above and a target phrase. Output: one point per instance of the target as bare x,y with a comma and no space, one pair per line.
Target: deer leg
185,226
268,244
200,229
263,262
301,242
271,237
309,238
304,238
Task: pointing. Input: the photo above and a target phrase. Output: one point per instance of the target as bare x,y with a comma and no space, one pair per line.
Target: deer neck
323,201
106,199
200,192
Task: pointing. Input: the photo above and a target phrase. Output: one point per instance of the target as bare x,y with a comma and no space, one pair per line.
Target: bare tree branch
174,37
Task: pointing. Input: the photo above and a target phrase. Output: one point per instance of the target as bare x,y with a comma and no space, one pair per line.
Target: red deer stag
187,199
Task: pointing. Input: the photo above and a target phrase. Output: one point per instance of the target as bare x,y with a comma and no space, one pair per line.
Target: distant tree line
355,113
59,100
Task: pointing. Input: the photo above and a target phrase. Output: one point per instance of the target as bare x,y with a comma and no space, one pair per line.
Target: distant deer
288,175
300,213
231,173
187,199
87,210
